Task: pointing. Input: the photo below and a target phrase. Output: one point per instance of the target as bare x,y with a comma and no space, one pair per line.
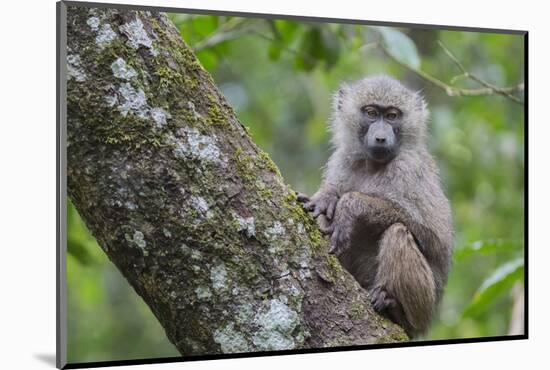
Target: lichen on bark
189,209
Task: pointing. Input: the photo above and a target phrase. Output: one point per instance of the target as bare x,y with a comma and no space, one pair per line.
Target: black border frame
61,195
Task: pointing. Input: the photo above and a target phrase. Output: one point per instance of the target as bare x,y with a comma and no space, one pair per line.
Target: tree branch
507,92
231,30
188,208
488,89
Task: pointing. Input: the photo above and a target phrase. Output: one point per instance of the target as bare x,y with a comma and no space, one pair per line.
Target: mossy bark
189,209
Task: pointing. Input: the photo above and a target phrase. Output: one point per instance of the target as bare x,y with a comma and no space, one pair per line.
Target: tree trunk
189,209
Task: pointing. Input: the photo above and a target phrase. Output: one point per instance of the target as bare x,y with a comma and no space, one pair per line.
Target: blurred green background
279,76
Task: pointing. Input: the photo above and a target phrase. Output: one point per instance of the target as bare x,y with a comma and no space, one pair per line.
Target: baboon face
379,131
377,118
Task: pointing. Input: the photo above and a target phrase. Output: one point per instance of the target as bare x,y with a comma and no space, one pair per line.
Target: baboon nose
380,140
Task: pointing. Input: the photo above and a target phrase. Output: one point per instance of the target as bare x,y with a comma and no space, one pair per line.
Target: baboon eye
370,111
391,116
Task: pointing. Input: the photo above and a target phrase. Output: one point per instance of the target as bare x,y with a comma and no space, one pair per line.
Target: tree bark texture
188,208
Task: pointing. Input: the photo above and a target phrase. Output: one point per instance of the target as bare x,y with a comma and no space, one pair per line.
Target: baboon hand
341,229
322,203
381,300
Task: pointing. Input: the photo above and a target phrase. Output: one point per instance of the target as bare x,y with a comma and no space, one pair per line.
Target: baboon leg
404,287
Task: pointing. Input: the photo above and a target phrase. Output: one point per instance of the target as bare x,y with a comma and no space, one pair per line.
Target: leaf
318,44
500,281
286,30
205,25
400,46
274,51
79,241
310,50
208,59
77,248
483,247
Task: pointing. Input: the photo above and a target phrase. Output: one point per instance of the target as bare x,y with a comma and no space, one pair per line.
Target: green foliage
317,45
484,247
284,33
80,244
279,76
500,281
400,46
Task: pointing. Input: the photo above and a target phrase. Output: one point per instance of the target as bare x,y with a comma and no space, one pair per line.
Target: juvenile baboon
381,200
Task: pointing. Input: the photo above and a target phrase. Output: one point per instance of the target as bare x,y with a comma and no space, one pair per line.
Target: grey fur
390,223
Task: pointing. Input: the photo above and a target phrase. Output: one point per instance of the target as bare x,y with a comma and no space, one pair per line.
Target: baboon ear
421,106
339,99
420,101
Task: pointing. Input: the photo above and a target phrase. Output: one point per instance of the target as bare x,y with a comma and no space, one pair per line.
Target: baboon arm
374,214
371,211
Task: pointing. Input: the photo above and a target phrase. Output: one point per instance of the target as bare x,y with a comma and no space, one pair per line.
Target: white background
27,182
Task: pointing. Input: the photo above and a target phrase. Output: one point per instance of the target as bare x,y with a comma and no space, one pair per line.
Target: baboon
381,200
